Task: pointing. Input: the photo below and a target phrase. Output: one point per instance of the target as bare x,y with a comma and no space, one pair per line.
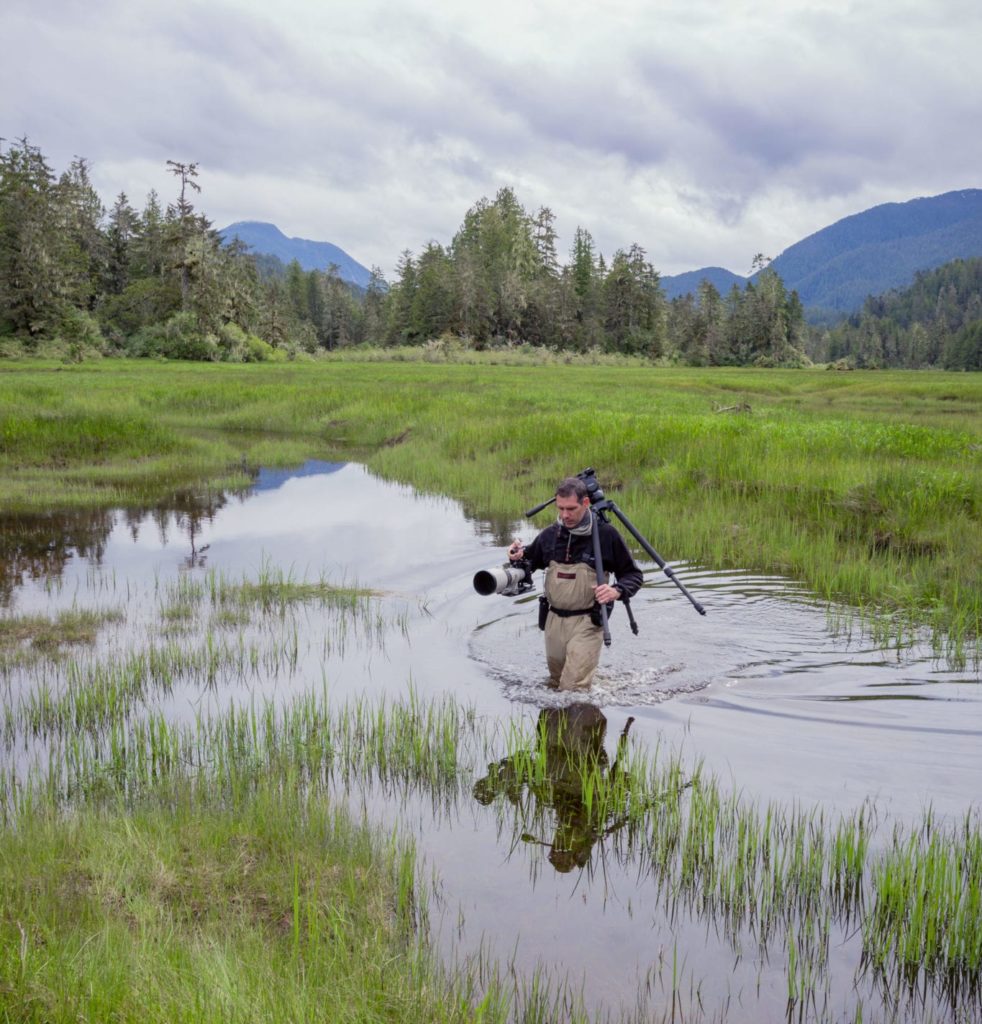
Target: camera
512,579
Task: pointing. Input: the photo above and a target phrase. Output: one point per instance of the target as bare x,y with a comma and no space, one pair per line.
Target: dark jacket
556,544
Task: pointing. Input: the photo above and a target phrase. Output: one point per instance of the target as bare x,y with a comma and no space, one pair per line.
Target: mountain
721,279
868,253
271,479
267,239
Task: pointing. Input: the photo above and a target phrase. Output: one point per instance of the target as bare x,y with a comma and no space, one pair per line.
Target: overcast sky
704,130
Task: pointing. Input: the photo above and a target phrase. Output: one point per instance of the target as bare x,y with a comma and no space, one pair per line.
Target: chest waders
573,642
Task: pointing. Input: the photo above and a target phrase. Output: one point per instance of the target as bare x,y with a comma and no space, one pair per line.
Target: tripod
600,506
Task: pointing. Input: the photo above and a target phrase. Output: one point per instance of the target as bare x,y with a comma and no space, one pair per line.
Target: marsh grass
210,630
208,873
47,635
788,877
274,591
275,908
867,487
249,795
232,603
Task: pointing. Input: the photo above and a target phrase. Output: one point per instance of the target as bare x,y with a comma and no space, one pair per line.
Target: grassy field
865,486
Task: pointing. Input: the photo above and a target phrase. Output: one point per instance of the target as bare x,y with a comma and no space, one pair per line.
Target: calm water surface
761,689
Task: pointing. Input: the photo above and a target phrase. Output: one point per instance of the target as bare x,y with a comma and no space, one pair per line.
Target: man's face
571,509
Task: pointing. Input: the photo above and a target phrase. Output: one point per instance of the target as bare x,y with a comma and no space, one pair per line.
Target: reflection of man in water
565,551
572,740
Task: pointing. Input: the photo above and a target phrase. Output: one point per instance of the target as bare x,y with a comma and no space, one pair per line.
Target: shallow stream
763,690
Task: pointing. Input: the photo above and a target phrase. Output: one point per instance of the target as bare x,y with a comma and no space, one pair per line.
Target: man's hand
516,551
606,593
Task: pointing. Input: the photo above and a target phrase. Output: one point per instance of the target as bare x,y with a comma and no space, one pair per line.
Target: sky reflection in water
760,687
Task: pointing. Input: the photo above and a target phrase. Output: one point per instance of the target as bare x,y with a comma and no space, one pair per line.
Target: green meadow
867,487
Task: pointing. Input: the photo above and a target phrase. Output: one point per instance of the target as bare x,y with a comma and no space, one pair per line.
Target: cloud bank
705,131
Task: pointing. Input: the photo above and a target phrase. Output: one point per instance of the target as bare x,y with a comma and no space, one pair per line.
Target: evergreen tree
399,302
184,227
713,329
544,235
34,268
687,331
313,305
240,286
339,323
273,315
297,296
585,328
121,232
84,253
433,302
963,350
496,262
150,244
583,268
736,348
633,304
373,316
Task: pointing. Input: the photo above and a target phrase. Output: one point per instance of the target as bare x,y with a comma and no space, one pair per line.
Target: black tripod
600,506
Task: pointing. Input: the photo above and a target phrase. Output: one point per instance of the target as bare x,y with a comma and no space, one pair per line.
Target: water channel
763,690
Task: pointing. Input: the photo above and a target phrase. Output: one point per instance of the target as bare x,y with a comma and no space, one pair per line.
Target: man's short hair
572,486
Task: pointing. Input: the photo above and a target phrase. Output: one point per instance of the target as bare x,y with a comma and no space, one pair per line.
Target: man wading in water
565,550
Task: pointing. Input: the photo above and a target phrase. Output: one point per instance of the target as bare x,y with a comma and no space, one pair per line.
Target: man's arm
534,552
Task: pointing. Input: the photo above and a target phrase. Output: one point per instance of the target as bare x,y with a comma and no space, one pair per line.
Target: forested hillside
158,282
835,269
937,321
882,248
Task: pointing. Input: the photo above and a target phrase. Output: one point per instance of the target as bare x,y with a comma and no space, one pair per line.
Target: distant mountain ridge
268,240
720,278
868,253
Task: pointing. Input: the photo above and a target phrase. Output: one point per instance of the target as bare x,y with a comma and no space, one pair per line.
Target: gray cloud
704,130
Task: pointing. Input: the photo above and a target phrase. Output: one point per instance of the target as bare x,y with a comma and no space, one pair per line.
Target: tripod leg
599,563
662,564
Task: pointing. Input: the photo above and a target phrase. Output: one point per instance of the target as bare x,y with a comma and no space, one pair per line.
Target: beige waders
573,642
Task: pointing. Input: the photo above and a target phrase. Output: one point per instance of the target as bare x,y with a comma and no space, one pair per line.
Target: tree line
501,280
152,282
160,282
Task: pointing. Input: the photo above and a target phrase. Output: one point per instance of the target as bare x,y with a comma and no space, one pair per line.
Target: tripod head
593,491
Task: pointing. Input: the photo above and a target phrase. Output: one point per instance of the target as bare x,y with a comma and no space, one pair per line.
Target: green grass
865,486
205,873
40,633
168,837
90,693
278,908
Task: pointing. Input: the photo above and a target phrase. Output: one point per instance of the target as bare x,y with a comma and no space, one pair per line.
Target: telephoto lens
509,580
